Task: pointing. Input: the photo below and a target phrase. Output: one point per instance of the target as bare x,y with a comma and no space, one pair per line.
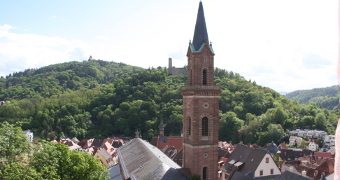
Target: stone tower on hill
175,71
200,105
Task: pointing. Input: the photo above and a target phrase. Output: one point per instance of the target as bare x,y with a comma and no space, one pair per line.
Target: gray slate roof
247,158
272,148
114,173
240,176
291,176
201,33
140,160
104,153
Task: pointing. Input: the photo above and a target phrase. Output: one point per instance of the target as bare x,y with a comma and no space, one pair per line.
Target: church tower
200,106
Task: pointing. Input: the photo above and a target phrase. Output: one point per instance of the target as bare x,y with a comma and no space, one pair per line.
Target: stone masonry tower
200,106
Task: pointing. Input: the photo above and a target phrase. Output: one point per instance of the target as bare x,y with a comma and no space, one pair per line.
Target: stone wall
176,71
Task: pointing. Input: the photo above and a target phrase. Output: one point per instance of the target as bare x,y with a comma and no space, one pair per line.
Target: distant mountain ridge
57,78
327,97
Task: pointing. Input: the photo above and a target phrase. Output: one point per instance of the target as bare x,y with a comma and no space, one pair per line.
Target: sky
285,45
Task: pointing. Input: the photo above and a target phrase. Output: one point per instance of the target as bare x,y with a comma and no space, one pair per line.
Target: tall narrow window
189,126
190,77
205,126
204,77
204,177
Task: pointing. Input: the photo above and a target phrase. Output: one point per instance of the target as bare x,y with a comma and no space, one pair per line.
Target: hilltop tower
200,105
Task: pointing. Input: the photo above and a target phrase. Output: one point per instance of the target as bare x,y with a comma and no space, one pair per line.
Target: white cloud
285,44
103,38
54,17
6,27
23,51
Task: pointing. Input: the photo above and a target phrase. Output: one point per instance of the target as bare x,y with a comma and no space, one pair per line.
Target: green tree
308,121
14,149
320,121
56,161
13,144
303,144
195,177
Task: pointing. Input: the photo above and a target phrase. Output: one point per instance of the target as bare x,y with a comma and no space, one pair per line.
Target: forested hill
56,79
323,97
100,99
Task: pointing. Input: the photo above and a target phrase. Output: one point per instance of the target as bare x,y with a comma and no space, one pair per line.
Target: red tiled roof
283,146
326,168
154,141
176,141
108,140
306,159
323,154
319,156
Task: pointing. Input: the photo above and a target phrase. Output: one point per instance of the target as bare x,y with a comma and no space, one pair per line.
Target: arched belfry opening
204,173
204,77
205,126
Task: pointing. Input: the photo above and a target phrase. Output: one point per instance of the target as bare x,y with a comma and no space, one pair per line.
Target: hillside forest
327,98
98,99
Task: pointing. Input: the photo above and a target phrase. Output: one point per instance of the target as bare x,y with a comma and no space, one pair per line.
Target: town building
200,105
313,145
272,148
294,154
308,133
251,163
329,140
162,141
104,157
294,140
291,176
320,156
28,134
316,171
138,159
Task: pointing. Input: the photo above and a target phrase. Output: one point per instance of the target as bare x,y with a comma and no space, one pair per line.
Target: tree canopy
97,99
21,159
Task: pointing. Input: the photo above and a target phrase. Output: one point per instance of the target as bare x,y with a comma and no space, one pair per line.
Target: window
190,77
261,172
267,160
205,126
204,177
204,77
271,171
189,126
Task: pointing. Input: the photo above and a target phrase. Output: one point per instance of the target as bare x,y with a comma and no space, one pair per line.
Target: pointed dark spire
201,33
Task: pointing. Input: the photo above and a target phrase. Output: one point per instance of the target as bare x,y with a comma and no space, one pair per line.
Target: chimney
291,169
137,134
